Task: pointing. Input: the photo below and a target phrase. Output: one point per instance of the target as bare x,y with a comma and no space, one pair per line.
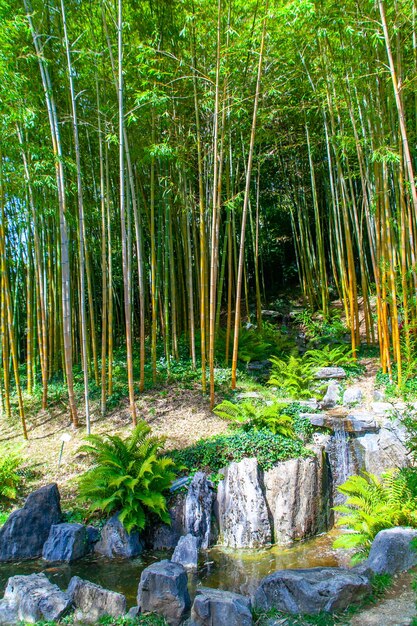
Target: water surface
232,570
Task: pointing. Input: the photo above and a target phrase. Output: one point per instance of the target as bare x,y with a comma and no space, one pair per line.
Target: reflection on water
221,568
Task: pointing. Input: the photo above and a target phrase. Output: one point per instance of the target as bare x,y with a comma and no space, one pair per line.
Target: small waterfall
341,459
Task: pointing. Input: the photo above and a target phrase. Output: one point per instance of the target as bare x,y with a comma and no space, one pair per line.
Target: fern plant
255,344
10,478
129,476
258,417
372,505
328,356
293,376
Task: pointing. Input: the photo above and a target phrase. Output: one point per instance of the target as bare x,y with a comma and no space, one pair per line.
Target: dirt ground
181,415
396,608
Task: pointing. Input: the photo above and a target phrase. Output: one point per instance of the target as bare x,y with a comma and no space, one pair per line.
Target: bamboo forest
208,312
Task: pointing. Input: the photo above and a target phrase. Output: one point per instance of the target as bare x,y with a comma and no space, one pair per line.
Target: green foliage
3,517
10,477
257,416
128,475
372,505
255,344
328,356
319,328
293,376
216,452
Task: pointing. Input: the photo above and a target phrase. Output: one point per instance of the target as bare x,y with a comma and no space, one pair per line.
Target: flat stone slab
352,423
216,607
311,591
325,373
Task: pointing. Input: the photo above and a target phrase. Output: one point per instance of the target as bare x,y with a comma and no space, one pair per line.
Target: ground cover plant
215,453
256,415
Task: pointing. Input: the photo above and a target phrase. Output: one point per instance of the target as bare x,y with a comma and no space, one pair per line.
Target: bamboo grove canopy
166,162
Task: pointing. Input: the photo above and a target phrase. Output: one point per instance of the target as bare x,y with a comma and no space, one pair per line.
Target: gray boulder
377,452
35,598
325,373
391,551
93,535
162,536
66,542
26,530
133,612
242,510
331,396
186,552
311,591
93,602
379,395
8,613
198,509
297,495
352,396
163,590
213,606
116,542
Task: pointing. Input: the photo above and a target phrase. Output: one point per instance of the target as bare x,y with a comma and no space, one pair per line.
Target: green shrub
328,356
216,452
319,328
372,505
293,376
128,475
10,478
255,344
257,416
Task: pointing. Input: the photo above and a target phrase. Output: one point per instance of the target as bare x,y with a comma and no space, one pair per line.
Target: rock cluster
163,589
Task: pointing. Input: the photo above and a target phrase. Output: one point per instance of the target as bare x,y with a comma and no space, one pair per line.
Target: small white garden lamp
64,439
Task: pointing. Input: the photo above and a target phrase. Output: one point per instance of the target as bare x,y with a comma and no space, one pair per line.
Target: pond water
221,568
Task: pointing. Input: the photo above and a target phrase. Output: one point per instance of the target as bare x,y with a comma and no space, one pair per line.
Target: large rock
215,607
66,542
352,396
242,509
297,495
325,373
198,509
392,552
116,542
93,602
35,598
331,397
186,552
163,590
164,536
378,452
311,591
26,530
8,613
